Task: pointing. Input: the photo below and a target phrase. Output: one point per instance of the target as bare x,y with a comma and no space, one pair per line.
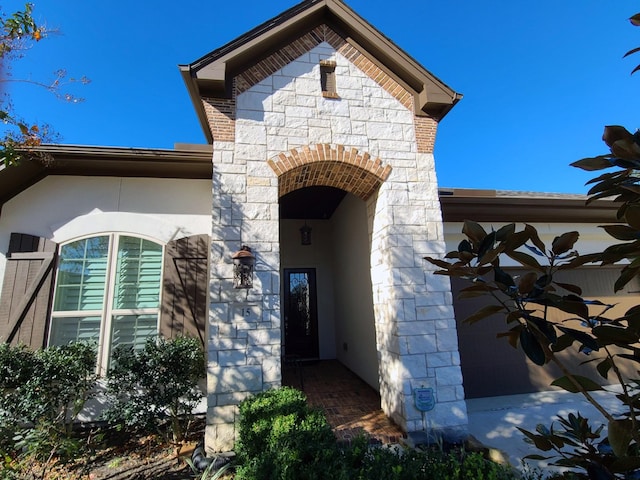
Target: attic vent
328,79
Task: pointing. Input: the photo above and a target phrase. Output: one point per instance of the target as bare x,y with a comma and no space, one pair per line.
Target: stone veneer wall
278,113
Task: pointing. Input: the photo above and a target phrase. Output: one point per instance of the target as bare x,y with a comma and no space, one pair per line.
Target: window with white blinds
107,291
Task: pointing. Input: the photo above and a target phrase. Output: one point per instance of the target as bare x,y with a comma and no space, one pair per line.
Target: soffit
103,161
212,74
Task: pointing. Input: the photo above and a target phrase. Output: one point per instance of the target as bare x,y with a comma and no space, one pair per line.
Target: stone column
415,324
244,325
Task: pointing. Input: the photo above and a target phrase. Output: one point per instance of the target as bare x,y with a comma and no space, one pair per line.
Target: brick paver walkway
351,405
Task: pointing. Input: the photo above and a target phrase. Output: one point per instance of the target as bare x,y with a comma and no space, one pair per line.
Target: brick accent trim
221,115
425,133
322,33
326,165
221,111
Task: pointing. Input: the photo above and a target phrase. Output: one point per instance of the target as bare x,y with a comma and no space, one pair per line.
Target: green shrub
41,394
159,384
50,385
281,438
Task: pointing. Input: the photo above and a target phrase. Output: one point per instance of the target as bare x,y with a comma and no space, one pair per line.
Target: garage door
490,366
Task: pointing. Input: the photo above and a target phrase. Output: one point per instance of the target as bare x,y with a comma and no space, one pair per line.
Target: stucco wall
62,208
355,320
592,239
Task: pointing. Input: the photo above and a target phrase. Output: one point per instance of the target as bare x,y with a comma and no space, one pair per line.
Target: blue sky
540,79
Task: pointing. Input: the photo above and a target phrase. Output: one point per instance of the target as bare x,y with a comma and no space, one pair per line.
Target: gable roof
212,75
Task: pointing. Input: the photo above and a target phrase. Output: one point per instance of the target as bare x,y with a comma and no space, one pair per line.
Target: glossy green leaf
621,232
541,442
484,312
581,337
478,289
545,327
564,242
503,279
512,335
485,246
474,231
490,256
620,434
632,216
516,240
438,263
573,304
625,277
603,367
533,234
593,163
505,232
571,288
465,246
610,335
531,347
527,282
586,383
526,260
563,342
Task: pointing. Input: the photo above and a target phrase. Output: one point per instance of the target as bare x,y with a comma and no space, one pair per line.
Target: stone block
264,336
421,344
298,68
307,86
448,376
255,134
219,438
245,378
415,328
253,100
227,358
447,340
271,370
223,413
439,359
414,366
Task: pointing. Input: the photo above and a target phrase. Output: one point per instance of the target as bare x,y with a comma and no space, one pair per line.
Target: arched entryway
327,299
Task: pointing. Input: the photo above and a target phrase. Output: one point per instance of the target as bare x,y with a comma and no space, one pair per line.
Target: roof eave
489,206
196,100
103,161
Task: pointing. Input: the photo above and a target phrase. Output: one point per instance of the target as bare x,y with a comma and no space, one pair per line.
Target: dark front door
300,313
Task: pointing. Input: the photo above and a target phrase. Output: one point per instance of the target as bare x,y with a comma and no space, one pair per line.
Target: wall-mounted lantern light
243,263
305,234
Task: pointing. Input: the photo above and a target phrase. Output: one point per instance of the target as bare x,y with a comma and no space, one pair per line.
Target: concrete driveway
494,420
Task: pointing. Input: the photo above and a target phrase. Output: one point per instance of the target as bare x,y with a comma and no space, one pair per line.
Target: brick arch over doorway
331,166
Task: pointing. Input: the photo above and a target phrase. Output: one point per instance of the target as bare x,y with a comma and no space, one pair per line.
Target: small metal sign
425,399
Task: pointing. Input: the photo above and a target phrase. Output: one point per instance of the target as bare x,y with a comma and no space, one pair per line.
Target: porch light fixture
243,263
305,234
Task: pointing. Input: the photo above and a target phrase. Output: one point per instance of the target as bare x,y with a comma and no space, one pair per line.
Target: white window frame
108,311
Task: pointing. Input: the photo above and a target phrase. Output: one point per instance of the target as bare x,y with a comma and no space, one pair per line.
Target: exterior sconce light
305,234
243,263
